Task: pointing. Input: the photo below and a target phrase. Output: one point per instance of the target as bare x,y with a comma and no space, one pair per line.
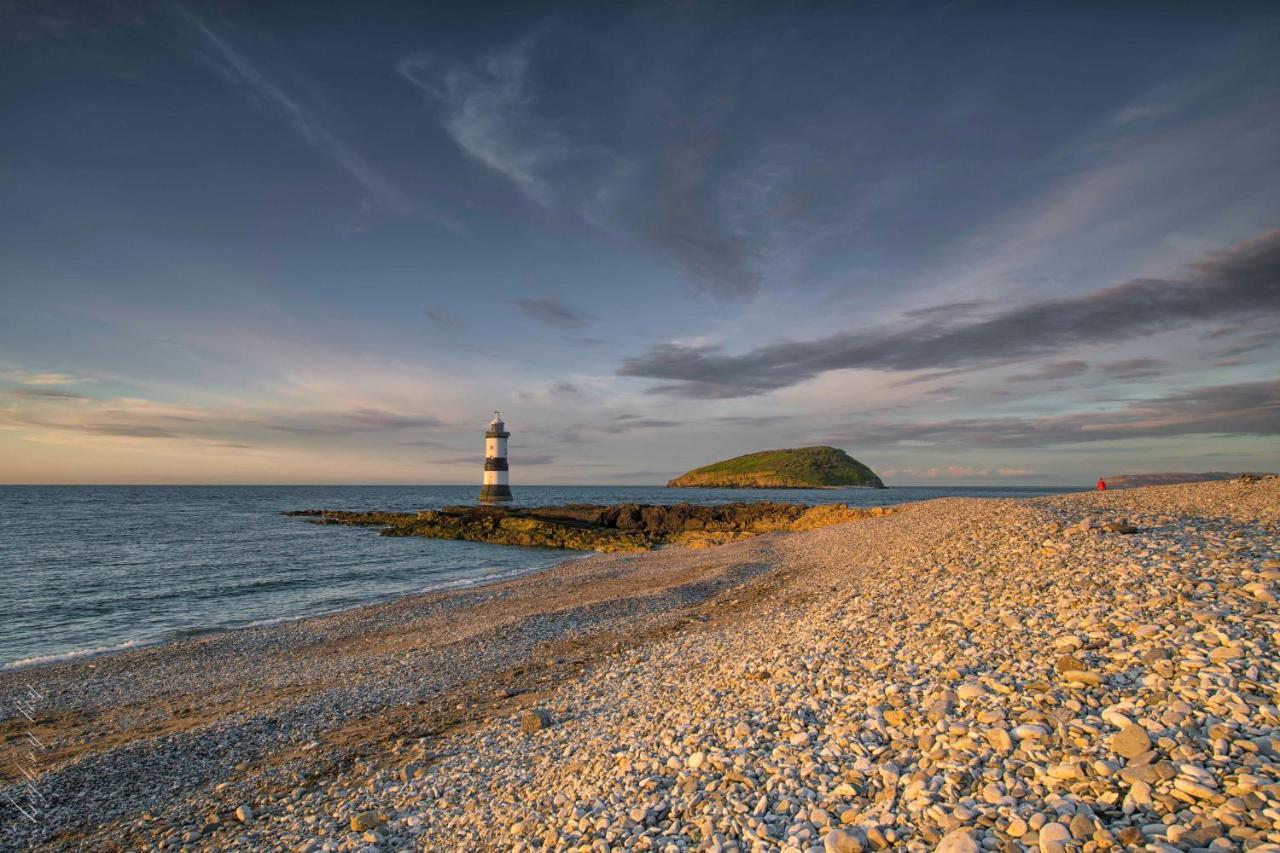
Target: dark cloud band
1241,281
1250,408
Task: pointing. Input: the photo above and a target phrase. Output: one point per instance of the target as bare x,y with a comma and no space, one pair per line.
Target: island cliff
794,468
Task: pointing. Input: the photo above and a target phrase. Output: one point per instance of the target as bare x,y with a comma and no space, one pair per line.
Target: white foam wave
94,651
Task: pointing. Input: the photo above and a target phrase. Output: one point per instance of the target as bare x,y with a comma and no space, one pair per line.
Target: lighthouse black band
495,434
494,463
495,493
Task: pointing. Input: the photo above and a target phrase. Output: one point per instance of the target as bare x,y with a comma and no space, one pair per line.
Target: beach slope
971,673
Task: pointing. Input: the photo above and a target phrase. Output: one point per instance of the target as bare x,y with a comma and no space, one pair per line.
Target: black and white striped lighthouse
496,487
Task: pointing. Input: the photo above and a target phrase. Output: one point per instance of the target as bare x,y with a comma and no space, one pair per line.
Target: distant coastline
1130,481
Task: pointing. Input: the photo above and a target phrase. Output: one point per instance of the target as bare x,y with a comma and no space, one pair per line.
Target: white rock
1029,731
1054,838
957,841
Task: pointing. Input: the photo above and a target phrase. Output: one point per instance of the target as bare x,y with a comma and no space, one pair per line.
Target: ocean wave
93,651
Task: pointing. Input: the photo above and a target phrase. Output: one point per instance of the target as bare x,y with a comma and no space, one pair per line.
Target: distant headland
793,468
1129,481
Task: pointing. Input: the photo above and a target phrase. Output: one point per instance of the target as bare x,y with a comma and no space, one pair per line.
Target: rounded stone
1054,838
958,841
1131,741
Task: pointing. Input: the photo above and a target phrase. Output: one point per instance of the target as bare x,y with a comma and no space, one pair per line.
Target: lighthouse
496,487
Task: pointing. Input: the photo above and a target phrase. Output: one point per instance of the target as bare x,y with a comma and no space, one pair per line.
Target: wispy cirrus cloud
1242,281
682,187
306,120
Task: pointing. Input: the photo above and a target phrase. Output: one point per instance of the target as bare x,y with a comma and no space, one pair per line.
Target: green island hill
793,468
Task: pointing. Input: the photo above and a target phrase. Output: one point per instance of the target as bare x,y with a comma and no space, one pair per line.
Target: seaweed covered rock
595,527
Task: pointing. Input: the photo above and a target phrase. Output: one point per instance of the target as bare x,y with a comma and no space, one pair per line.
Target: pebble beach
1091,671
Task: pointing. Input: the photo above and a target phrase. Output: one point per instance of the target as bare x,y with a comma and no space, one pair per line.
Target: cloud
515,458
1134,368
442,319
239,70
1057,370
487,110
957,472
138,418
532,459
750,421
377,419
1249,343
45,394
128,430
672,184
356,420
963,307
1250,408
616,427
585,340
1243,280
26,377
553,312
584,433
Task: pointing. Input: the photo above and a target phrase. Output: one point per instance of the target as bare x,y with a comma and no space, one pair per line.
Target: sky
966,242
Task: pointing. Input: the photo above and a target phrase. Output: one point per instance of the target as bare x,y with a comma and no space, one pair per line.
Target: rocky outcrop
594,527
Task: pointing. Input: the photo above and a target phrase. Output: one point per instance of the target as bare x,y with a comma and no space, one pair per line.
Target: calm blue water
93,568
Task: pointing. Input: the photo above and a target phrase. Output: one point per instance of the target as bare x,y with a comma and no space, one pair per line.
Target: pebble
842,841
534,720
1054,838
1131,741
958,841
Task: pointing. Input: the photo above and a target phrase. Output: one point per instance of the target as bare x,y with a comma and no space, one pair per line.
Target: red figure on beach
1102,485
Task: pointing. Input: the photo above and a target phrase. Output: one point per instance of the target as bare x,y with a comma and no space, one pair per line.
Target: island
793,468
595,527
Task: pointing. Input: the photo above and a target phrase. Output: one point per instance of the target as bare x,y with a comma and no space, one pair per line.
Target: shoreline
214,687
196,632
409,710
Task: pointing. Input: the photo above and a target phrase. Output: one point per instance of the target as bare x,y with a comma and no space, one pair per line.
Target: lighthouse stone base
494,492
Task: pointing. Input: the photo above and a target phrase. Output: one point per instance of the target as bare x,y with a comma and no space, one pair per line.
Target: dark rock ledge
593,527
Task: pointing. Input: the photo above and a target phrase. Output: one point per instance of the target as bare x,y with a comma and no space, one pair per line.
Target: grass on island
800,467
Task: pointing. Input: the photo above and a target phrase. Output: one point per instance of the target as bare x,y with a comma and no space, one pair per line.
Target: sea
87,570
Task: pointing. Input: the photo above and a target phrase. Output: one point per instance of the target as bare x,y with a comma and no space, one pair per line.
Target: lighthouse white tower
496,487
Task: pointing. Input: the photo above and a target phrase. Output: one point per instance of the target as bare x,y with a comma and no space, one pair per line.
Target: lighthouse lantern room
496,486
